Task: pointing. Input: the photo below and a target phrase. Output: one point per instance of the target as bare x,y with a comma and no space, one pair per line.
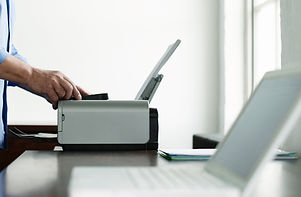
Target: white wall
291,53
235,61
290,33
111,46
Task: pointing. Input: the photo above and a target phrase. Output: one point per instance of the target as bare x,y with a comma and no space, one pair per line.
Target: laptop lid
168,53
262,125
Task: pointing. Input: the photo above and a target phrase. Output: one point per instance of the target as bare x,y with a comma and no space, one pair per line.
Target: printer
98,123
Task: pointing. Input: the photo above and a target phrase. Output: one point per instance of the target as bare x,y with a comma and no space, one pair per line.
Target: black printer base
109,147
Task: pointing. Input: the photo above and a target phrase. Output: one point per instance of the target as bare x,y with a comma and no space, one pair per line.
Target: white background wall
290,33
235,64
112,45
291,53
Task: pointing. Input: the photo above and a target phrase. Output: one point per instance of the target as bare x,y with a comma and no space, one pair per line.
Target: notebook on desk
205,154
262,125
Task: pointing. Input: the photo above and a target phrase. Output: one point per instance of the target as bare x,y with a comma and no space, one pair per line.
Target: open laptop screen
255,127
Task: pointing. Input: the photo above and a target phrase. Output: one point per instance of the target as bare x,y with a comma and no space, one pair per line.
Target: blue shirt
7,19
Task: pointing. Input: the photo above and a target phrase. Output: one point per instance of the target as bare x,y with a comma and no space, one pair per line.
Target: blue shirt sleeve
15,53
9,83
3,54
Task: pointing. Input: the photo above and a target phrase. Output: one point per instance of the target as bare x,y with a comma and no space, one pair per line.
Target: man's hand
53,86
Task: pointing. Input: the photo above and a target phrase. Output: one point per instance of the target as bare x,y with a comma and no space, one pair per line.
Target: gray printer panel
103,122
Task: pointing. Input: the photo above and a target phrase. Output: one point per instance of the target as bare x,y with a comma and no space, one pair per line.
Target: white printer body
107,125
103,122
96,123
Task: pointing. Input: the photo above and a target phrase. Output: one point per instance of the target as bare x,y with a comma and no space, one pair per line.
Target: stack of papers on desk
205,154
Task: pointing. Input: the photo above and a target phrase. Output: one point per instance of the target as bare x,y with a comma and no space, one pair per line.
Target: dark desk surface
42,173
17,146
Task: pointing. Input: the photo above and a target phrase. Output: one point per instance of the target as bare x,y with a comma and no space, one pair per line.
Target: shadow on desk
48,173
66,161
17,146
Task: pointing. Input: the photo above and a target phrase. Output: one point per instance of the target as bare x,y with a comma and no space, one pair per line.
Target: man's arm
15,53
3,54
53,85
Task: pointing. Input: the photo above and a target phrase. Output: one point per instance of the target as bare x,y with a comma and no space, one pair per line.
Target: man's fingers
53,86
53,97
82,91
68,89
60,91
75,91
54,105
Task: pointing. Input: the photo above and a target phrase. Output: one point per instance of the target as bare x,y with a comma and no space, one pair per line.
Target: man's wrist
29,72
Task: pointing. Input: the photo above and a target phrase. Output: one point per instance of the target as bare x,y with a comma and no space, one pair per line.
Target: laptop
264,122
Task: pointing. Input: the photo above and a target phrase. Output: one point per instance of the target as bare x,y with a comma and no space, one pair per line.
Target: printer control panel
102,96
94,97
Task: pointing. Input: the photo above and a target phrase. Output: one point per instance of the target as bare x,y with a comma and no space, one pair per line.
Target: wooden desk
46,173
17,146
